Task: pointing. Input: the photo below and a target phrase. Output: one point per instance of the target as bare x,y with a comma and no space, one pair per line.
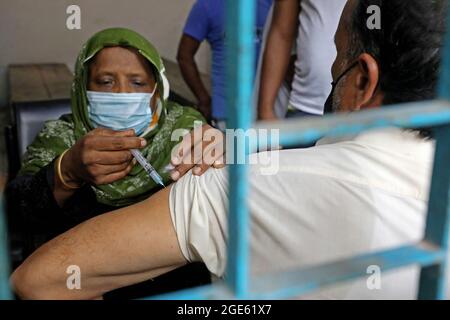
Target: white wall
34,31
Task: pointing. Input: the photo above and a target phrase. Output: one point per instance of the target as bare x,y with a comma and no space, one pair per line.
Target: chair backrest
30,118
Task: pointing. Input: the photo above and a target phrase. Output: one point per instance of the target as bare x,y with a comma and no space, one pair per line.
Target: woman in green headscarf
80,165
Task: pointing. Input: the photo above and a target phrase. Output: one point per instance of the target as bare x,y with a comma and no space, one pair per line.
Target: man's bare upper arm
113,250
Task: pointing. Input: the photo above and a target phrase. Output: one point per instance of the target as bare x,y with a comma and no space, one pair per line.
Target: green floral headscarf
59,135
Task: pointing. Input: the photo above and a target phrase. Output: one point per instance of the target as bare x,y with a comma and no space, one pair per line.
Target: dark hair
407,47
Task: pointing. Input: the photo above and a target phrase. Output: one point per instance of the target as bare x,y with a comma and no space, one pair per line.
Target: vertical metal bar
5,292
240,17
432,279
444,84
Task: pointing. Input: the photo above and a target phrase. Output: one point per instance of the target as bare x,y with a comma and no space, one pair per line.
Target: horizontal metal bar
308,130
217,291
299,282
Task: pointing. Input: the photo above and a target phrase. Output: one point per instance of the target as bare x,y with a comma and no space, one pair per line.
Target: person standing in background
282,98
206,21
314,23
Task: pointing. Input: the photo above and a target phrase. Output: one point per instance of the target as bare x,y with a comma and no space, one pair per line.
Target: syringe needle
147,167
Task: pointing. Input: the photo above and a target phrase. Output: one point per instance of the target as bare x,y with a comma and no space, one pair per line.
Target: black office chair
27,120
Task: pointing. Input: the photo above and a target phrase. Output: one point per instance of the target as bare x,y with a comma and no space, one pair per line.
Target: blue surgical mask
120,111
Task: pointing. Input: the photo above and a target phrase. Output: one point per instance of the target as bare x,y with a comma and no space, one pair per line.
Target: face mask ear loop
328,107
153,94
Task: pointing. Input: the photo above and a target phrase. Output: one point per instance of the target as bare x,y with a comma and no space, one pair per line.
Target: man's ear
366,82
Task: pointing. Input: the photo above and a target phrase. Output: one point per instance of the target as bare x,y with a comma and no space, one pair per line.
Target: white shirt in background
316,52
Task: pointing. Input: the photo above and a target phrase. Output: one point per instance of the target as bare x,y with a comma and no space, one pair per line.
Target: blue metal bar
431,253
5,292
412,115
218,291
432,281
240,61
298,282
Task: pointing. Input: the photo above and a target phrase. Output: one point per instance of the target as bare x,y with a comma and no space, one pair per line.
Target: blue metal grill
431,253
5,292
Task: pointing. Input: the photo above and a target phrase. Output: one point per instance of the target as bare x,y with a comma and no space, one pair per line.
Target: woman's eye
139,83
105,82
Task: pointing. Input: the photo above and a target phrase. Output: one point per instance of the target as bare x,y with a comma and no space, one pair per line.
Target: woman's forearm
60,192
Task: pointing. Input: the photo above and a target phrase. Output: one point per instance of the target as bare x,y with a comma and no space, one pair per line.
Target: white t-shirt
329,202
316,53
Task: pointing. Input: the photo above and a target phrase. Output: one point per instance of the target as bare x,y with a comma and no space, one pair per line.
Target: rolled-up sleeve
198,207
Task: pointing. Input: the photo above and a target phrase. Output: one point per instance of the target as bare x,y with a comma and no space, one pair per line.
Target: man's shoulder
367,162
315,160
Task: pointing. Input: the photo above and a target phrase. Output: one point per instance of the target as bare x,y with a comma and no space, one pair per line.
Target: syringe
147,167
